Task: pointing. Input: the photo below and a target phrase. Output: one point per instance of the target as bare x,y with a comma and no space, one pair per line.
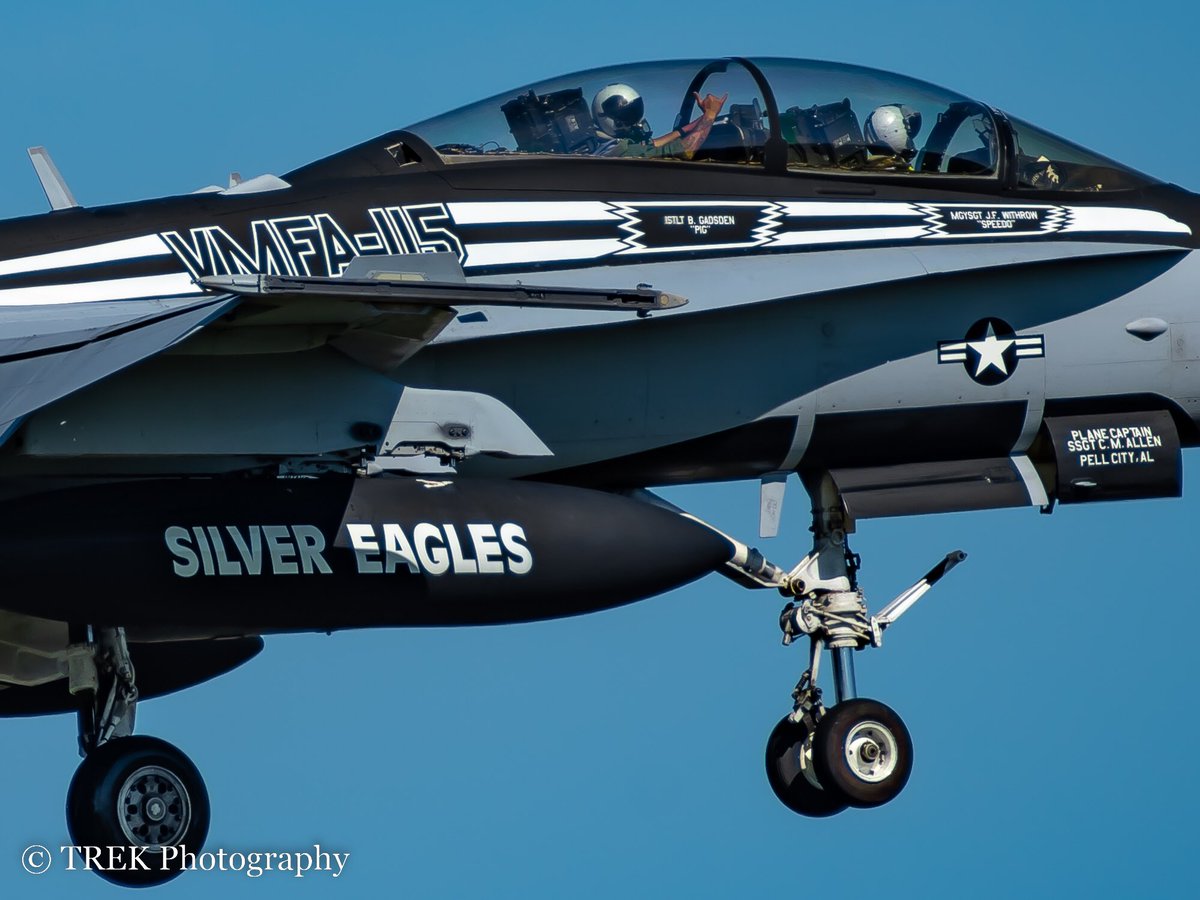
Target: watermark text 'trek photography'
38,859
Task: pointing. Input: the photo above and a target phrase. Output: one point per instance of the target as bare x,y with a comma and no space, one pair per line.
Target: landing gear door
1116,456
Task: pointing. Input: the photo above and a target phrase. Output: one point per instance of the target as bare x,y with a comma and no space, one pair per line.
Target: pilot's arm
695,132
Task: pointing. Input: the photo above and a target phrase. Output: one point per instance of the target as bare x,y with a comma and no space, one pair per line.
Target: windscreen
1050,163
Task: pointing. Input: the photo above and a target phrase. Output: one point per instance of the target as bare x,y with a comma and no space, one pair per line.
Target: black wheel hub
154,807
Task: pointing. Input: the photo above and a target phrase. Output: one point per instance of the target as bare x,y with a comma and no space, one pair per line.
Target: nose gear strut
858,751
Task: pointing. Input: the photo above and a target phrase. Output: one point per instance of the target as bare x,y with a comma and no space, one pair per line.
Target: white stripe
511,252
1030,351
848,208
847,235
953,357
1111,218
691,204
93,291
682,247
957,345
1033,484
1036,206
491,213
990,235
129,248
1026,341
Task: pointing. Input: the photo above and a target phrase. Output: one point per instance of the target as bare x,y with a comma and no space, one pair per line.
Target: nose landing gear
857,753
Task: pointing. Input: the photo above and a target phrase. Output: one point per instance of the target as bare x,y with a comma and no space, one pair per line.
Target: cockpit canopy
798,115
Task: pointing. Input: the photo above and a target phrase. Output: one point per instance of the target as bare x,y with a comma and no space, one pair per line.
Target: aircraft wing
383,309
442,294
380,312
50,351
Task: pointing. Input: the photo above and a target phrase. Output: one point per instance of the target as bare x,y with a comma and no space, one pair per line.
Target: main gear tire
135,797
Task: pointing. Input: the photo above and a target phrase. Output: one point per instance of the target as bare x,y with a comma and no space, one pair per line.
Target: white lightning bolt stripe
768,223
95,291
1054,219
129,248
933,219
631,225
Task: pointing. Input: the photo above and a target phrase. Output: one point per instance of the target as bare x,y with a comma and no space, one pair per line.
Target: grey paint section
467,421
604,391
32,329
710,284
631,385
62,365
287,405
869,347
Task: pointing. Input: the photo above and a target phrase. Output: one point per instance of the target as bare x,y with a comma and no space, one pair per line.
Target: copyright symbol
36,859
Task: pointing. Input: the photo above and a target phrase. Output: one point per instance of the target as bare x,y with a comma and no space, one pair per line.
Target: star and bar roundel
991,350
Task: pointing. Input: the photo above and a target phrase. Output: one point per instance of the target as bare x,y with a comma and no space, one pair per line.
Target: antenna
56,189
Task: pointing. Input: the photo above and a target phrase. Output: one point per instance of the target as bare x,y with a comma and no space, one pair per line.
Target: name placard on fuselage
1116,456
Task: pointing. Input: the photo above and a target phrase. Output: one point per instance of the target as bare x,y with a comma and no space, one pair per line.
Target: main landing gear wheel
790,772
862,752
138,791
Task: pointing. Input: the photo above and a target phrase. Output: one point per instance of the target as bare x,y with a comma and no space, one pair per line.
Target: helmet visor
625,114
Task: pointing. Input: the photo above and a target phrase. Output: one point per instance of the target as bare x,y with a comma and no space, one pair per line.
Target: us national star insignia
991,350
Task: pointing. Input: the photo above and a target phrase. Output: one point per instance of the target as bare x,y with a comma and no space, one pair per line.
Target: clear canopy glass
831,117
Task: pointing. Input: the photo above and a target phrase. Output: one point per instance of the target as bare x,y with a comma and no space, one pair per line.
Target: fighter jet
434,378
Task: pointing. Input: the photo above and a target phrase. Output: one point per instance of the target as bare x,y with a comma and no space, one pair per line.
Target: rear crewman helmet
894,126
618,110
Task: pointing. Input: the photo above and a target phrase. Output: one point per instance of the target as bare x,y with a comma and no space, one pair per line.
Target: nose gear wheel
863,752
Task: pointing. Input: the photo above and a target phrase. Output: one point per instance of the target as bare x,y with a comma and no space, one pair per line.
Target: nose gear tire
863,752
787,757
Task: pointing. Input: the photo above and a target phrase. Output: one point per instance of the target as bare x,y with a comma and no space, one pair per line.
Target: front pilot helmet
618,110
895,127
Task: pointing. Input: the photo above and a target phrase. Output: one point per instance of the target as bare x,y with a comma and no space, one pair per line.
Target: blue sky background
1048,682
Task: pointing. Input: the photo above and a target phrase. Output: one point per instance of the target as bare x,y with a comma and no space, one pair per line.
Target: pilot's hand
711,105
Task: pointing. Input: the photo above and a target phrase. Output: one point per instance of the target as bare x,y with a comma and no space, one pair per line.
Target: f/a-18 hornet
431,380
